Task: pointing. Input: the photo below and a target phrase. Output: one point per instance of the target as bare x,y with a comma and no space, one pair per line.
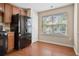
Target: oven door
3,43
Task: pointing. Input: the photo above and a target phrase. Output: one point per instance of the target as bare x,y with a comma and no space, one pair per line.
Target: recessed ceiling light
51,6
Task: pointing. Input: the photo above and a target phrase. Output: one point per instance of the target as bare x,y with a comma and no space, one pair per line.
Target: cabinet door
7,13
23,12
2,6
10,41
16,10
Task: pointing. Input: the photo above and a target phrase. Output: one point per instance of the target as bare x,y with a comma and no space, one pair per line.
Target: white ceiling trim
40,6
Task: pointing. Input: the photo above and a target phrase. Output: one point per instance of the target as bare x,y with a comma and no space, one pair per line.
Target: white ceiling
40,6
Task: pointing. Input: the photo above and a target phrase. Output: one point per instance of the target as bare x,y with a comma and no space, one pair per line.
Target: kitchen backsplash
6,27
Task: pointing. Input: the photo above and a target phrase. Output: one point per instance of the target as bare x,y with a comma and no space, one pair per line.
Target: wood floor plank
43,49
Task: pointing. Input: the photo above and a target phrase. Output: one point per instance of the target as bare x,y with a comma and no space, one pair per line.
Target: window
55,24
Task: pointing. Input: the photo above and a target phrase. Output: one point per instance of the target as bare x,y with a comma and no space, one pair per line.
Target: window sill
58,35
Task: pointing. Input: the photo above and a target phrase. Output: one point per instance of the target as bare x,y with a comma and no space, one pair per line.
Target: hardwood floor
43,49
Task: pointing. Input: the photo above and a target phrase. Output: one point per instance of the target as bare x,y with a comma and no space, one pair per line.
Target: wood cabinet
16,10
28,12
10,41
23,12
7,13
20,11
2,7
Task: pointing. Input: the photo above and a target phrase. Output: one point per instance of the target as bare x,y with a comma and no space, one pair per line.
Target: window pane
62,19
55,19
47,29
55,28
59,22
47,20
62,29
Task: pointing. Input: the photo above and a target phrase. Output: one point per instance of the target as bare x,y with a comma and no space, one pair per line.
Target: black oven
3,41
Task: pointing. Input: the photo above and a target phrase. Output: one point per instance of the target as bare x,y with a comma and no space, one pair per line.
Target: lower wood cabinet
10,41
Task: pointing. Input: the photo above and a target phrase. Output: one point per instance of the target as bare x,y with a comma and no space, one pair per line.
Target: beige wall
58,39
34,18
78,30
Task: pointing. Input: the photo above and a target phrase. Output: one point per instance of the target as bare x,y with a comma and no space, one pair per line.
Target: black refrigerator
18,25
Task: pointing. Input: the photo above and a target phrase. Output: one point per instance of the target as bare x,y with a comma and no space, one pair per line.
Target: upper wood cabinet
2,6
16,10
23,12
7,13
28,12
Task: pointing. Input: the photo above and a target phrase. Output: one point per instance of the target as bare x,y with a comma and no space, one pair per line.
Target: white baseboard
57,43
34,41
76,52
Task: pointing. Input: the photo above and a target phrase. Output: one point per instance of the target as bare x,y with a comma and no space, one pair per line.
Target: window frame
66,17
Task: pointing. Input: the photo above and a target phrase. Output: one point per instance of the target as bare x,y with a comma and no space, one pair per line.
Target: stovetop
3,33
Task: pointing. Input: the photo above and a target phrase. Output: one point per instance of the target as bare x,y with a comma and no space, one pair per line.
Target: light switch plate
0,19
